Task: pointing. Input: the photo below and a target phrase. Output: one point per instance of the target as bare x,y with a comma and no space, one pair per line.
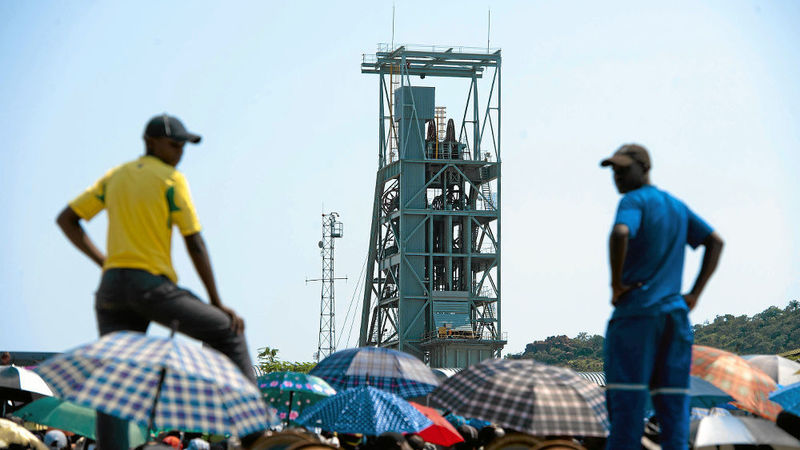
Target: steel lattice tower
331,230
433,268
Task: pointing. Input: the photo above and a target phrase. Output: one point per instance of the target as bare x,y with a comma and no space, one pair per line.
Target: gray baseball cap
165,125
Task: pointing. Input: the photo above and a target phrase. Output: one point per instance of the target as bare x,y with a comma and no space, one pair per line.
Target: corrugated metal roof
598,378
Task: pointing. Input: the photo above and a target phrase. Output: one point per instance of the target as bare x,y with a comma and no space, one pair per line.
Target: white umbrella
784,371
21,384
735,430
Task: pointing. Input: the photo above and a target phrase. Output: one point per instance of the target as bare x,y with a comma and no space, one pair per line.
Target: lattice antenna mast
331,230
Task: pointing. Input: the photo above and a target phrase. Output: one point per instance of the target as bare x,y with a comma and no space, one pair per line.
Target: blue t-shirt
660,227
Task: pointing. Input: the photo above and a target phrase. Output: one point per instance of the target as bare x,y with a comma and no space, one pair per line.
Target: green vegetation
268,362
771,331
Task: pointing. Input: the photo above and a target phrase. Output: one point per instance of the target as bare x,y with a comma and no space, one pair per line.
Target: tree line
771,331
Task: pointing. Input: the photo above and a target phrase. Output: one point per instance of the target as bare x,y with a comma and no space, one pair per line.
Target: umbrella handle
174,326
289,413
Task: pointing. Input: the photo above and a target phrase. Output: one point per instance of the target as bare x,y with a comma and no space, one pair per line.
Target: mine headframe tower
432,284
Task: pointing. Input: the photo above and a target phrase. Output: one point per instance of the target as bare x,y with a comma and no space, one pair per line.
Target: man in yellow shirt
144,199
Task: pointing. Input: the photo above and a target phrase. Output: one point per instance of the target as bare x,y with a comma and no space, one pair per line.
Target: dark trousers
648,356
129,299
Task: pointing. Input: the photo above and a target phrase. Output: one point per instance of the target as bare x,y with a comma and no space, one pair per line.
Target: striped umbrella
364,410
748,385
383,368
158,382
289,393
526,396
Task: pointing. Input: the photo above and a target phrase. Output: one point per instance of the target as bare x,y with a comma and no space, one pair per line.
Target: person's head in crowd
350,441
174,442
56,439
470,435
5,359
198,444
415,441
789,423
489,433
392,441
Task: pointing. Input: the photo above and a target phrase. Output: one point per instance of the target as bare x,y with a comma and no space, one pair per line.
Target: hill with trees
771,331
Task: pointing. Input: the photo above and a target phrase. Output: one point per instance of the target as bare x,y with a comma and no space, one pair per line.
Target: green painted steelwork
433,269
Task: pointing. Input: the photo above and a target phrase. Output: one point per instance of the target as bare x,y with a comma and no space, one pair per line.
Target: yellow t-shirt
144,198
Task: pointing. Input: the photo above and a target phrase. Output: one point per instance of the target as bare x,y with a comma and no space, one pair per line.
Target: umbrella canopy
120,375
290,392
383,368
11,433
781,370
364,410
68,416
748,385
22,385
736,430
527,396
788,397
441,432
704,394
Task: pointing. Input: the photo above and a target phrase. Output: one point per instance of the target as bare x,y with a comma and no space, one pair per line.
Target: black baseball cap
627,155
165,125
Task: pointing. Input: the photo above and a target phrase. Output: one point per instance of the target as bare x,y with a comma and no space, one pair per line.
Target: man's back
144,198
660,227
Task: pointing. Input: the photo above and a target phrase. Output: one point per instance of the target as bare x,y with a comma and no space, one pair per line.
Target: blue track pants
648,355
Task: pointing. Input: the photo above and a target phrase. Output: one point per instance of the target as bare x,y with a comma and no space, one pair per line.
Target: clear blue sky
289,124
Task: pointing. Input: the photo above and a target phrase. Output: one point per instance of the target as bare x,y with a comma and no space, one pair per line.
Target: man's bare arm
196,247
70,223
617,249
713,249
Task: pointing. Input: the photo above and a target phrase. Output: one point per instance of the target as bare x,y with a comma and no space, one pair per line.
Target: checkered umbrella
383,368
748,385
527,396
364,410
202,390
289,393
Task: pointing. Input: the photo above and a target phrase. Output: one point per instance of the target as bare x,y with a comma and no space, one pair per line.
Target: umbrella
22,385
704,394
68,416
788,397
441,432
158,382
749,386
526,396
290,392
364,410
11,433
383,368
780,369
736,430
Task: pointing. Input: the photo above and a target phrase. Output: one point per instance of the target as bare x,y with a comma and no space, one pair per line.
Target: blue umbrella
704,394
288,393
383,368
788,397
364,410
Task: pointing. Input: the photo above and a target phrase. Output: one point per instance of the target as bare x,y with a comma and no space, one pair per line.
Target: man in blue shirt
648,346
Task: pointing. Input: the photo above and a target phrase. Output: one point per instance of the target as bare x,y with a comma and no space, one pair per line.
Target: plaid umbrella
125,373
364,410
440,432
290,392
748,385
21,384
788,397
383,368
527,396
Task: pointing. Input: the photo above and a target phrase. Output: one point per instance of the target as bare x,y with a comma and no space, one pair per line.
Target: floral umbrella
748,385
290,392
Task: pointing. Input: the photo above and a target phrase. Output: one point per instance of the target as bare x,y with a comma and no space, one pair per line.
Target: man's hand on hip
237,323
691,300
